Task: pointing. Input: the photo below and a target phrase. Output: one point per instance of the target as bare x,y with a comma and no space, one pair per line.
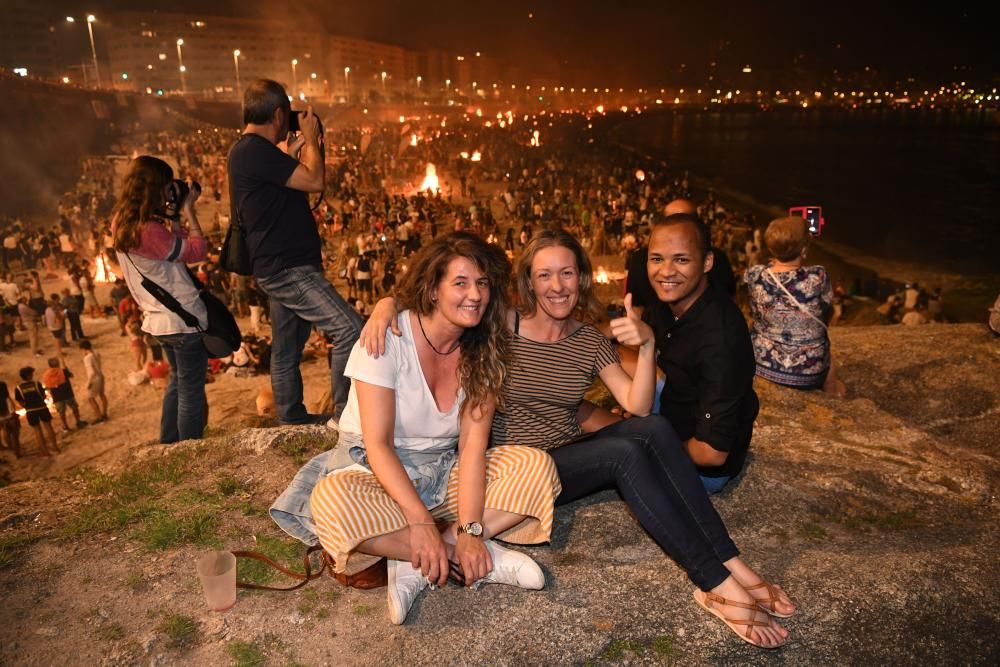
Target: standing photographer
150,240
268,191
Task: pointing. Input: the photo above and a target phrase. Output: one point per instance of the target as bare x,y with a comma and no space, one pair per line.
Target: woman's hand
471,554
427,553
631,330
384,316
194,191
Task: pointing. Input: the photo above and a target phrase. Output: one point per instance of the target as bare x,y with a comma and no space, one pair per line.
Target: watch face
474,529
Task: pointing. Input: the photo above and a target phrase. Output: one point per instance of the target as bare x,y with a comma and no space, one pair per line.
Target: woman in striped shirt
417,425
557,356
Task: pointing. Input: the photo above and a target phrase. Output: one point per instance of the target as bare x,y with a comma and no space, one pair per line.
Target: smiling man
704,349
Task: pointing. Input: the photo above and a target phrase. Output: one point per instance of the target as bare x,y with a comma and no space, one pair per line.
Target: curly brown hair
482,367
140,201
588,307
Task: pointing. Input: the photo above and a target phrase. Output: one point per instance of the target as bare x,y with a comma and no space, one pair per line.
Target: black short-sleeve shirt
709,364
280,228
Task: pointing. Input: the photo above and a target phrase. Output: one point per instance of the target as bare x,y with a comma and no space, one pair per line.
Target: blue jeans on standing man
184,402
301,298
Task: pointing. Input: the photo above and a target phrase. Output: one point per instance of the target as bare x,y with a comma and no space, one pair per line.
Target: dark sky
644,42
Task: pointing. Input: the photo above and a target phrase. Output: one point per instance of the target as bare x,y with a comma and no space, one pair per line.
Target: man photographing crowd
268,190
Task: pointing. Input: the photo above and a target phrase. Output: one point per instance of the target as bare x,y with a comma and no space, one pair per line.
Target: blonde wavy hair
141,200
485,353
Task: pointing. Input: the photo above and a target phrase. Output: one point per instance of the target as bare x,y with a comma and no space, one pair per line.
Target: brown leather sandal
767,604
711,599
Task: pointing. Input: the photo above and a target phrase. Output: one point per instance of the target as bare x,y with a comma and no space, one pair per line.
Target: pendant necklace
443,354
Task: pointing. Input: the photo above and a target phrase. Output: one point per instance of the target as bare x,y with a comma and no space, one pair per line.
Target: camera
293,122
177,191
813,216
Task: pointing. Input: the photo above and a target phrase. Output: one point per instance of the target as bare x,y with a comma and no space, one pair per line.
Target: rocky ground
876,513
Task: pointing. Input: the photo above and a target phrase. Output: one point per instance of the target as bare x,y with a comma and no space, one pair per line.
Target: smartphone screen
813,219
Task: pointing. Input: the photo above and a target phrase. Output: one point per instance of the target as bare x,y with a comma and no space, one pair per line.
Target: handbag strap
797,303
303,578
171,304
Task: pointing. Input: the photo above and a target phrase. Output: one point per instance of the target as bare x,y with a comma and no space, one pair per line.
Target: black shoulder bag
235,255
222,336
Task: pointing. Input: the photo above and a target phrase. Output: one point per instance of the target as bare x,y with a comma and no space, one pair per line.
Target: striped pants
350,506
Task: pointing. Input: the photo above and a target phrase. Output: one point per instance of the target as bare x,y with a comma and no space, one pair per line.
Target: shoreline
966,298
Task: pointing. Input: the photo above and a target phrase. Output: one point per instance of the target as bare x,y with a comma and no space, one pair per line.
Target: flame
492,239
601,276
640,175
103,273
413,140
430,180
476,157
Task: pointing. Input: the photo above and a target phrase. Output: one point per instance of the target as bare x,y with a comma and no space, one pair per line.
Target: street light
236,63
180,60
295,77
93,51
384,74
347,83
419,79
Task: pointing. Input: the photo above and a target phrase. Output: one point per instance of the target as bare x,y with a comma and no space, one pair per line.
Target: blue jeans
713,485
184,402
301,297
643,459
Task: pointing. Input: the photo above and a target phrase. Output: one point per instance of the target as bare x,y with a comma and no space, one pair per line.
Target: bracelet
421,523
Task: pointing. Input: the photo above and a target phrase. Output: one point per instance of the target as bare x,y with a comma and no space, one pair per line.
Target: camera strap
167,299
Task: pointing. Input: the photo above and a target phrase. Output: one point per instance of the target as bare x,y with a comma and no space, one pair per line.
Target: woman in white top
424,491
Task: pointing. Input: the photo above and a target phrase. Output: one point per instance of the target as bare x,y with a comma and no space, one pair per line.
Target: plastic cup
217,572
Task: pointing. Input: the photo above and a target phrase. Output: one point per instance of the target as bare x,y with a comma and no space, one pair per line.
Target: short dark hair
26,372
261,99
704,236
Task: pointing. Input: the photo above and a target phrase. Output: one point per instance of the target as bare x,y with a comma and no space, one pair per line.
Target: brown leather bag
375,576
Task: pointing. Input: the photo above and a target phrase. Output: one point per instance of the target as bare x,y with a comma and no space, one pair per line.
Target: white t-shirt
419,424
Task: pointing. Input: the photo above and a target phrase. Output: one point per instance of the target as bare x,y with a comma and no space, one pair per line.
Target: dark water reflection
917,186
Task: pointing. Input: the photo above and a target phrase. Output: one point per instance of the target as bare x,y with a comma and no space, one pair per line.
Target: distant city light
21,71
747,69
70,19
65,79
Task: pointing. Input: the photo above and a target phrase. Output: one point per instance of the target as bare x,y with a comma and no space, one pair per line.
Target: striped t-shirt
545,385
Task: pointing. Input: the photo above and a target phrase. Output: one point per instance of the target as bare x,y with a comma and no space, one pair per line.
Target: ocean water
920,187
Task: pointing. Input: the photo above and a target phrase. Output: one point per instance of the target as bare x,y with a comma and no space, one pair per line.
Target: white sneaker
405,584
333,424
513,568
